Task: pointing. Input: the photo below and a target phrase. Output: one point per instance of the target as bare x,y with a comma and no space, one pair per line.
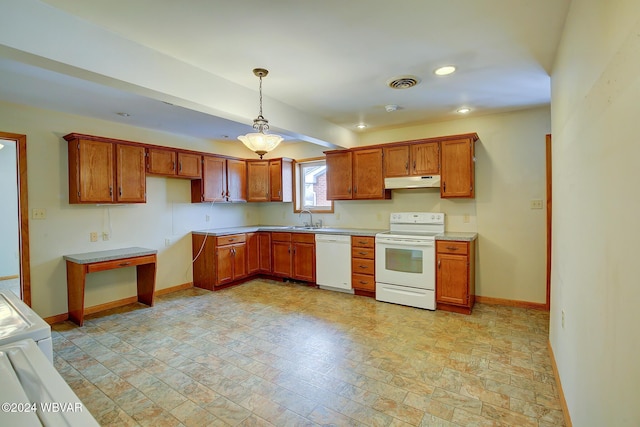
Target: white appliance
18,321
33,393
406,257
333,262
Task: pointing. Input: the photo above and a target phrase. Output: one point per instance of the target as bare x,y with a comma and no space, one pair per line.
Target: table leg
76,277
146,278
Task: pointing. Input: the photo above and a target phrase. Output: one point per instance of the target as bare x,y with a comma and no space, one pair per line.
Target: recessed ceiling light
391,108
124,114
361,126
463,110
444,71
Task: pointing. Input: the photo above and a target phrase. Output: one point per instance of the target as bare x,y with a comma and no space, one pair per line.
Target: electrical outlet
93,236
466,218
39,213
167,242
207,218
105,236
536,204
562,319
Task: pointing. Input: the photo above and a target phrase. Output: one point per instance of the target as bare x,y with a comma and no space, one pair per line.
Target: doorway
14,185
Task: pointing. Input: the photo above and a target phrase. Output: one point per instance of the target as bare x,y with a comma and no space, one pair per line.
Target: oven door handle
404,242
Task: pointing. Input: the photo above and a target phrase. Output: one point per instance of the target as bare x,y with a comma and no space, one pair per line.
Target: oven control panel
417,218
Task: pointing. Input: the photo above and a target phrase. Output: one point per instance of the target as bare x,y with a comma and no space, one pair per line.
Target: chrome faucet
310,216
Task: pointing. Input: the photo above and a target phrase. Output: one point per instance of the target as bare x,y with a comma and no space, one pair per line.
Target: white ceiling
329,61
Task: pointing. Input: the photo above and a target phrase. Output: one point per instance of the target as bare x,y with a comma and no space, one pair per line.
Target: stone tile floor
269,353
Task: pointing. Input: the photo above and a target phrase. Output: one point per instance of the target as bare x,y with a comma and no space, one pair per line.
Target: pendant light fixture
260,142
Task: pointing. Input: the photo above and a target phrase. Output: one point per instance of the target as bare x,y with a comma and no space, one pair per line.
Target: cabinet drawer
363,281
303,237
450,247
119,263
232,238
363,242
368,253
363,266
280,237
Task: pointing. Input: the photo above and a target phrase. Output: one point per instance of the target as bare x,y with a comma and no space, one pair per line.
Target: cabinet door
258,181
189,165
239,261
304,261
253,253
265,251
214,179
281,180
130,172
396,161
452,279
224,264
368,182
236,180
425,158
161,162
457,168
94,172
281,254
339,175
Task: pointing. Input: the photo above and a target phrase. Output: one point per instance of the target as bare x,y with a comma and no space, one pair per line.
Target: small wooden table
79,265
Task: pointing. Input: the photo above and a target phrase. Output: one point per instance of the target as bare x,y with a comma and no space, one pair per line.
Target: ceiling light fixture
361,126
463,110
124,114
260,142
391,108
444,71
1,146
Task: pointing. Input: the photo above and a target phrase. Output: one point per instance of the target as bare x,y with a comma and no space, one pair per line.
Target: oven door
406,262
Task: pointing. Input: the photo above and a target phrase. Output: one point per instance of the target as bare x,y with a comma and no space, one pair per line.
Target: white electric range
406,257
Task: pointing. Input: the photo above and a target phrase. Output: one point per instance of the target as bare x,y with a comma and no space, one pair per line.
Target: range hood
426,181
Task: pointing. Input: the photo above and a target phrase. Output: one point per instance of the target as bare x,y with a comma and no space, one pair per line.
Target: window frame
297,187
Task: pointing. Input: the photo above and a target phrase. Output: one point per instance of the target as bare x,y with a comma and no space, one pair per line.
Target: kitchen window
311,186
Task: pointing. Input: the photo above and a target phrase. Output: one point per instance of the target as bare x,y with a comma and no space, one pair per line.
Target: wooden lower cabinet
219,260
253,253
363,279
294,256
264,243
455,276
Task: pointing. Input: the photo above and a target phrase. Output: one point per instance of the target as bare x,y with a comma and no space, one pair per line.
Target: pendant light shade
260,141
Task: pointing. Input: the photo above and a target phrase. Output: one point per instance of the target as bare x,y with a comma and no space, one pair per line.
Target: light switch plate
536,204
39,213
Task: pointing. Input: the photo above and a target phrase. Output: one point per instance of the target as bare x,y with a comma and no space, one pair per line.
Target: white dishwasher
333,262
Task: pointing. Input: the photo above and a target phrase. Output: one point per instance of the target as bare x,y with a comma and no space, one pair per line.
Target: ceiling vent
403,82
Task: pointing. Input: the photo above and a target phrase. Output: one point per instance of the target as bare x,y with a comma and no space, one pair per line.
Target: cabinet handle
110,191
124,264
279,193
349,190
406,166
266,194
364,267
362,282
355,189
173,166
438,264
414,165
362,253
452,248
231,240
180,167
444,186
120,191
362,242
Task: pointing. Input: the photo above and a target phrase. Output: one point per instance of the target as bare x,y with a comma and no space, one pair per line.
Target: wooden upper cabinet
189,165
173,163
236,180
161,162
339,175
425,158
457,168
258,181
105,172
396,161
414,159
281,180
368,182
213,185
130,174
91,171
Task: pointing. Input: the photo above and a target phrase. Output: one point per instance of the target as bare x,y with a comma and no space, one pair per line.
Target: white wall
595,268
510,171
9,246
168,212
